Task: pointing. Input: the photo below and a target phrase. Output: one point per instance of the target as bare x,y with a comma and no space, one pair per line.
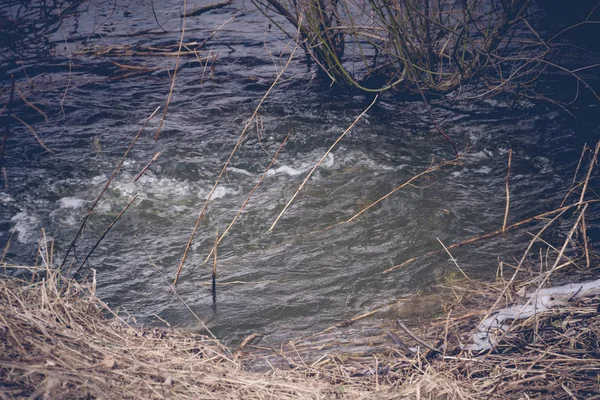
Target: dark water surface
294,280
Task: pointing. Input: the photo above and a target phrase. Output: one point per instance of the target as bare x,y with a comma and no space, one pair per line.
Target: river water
299,278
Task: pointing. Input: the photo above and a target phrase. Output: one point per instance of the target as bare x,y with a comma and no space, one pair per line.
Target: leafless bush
417,46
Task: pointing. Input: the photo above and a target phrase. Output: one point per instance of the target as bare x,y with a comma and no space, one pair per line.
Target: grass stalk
233,151
358,118
507,192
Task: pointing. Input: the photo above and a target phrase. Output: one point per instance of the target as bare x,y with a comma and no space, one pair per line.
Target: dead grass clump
55,342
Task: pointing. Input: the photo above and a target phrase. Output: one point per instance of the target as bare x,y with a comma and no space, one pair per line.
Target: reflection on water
298,277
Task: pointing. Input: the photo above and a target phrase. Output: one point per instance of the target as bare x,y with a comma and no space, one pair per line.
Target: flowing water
299,278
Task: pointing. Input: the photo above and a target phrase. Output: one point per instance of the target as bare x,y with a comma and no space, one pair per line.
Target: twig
154,158
491,234
437,127
235,148
585,149
214,268
453,259
6,247
555,266
408,182
585,241
108,182
416,338
587,178
8,105
105,232
34,133
213,34
162,120
155,17
507,192
183,301
36,108
250,195
323,159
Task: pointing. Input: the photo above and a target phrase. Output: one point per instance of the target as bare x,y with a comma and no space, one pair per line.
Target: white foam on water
6,198
483,170
285,170
25,225
71,203
220,192
305,167
239,171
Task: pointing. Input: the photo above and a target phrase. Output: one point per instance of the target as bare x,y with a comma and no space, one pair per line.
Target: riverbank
61,341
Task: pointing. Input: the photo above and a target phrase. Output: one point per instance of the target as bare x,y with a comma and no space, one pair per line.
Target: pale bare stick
323,159
453,259
235,148
507,192
585,149
408,182
587,178
162,120
585,242
248,198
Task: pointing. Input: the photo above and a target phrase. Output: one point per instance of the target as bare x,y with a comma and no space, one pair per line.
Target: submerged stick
210,7
323,159
225,349
507,192
34,133
106,232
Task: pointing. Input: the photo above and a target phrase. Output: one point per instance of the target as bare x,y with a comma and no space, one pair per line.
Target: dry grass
555,354
57,343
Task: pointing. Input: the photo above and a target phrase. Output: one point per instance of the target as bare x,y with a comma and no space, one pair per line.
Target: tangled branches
417,46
